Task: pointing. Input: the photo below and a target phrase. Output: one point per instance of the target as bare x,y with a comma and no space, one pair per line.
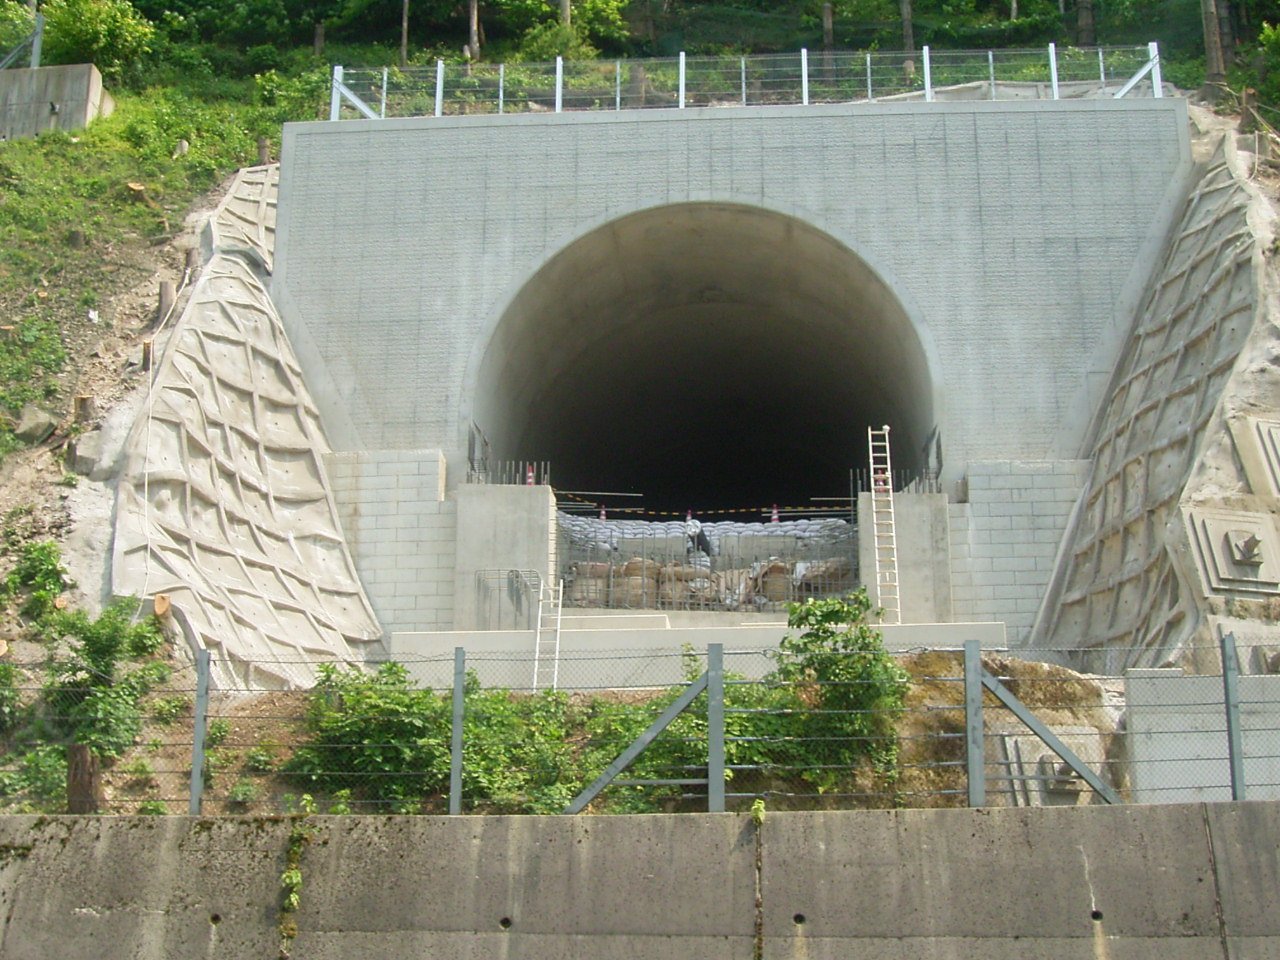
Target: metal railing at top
34,41
803,78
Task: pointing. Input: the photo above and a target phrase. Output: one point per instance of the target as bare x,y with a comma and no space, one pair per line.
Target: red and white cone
602,516
528,476
773,517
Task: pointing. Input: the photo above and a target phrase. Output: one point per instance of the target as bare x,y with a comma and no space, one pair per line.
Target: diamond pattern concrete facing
246,219
223,503
1120,587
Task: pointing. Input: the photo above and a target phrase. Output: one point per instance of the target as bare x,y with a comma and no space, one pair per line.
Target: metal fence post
1053,69
617,85
742,66
869,96
335,94
975,761
928,77
502,84
1157,83
198,730
1102,71
991,71
681,79
37,42
439,88
1231,705
459,713
559,84
804,76
715,728
382,109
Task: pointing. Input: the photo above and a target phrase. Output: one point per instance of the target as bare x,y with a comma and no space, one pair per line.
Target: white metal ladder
546,638
886,543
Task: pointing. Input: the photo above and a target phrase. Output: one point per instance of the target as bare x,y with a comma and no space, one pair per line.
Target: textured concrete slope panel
223,502
1010,235
246,219
1122,587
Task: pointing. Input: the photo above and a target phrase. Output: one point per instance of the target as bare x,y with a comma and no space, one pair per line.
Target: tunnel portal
707,356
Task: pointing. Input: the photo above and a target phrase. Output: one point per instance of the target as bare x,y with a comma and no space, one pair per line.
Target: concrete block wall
401,532
1005,539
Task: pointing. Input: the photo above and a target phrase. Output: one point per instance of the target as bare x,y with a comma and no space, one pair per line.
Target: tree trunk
473,28
404,35
828,40
1214,70
317,41
566,15
1086,34
908,37
1226,32
84,780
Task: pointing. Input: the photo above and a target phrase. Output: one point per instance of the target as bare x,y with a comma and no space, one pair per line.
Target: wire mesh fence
803,77
478,734
138,731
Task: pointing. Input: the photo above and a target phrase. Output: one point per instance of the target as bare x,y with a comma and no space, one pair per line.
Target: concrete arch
705,354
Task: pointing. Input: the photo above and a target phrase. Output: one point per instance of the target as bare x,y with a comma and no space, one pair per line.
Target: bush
108,33
852,688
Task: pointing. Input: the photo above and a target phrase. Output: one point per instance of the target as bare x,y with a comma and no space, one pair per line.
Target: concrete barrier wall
51,98
1174,883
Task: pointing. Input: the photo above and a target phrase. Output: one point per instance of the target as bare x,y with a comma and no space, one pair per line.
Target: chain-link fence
135,733
638,731
804,77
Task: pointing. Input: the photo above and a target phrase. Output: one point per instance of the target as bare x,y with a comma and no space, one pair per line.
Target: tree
908,38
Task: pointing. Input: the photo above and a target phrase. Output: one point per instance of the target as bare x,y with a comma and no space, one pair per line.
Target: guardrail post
459,712
198,731
975,761
681,79
37,41
382,107
1053,69
439,88
1231,705
928,78
804,76
335,95
715,728
991,71
1157,84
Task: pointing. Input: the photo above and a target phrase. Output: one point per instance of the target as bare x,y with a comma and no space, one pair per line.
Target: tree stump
84,780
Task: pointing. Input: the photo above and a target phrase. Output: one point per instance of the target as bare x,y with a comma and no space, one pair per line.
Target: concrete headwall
51,98
1175,883
1013,235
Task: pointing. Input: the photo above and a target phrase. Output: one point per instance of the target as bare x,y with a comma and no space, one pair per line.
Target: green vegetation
825,718
98,672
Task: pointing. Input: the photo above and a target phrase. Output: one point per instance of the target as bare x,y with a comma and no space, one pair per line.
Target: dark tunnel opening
707,356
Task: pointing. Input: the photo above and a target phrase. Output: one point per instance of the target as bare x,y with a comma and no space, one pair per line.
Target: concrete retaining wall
51,98
1174,883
